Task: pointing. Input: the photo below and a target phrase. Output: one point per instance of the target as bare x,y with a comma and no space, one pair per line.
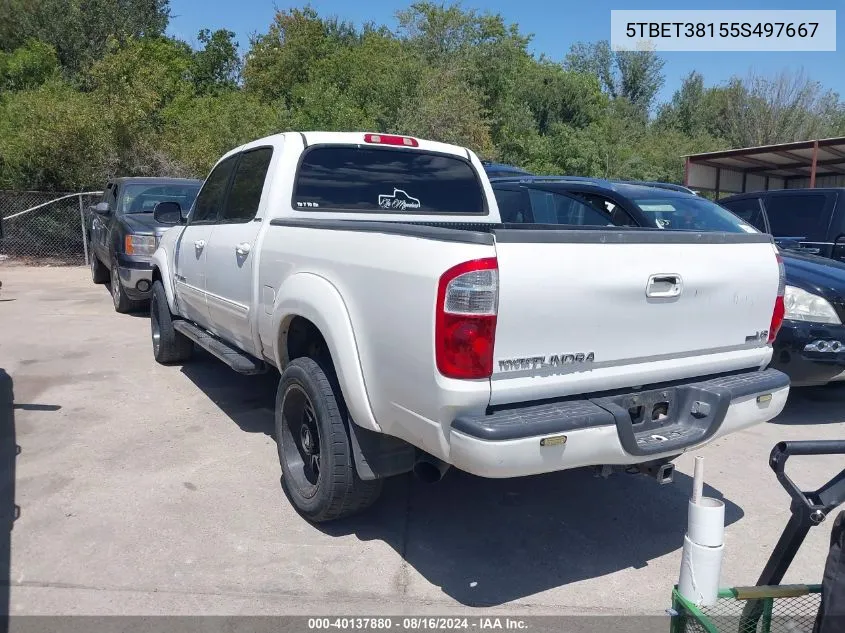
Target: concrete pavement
155,490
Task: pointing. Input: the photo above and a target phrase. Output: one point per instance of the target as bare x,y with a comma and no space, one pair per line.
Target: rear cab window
386,180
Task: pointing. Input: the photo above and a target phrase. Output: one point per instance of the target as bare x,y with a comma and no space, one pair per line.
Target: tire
169,346
311,423
99,273
122,303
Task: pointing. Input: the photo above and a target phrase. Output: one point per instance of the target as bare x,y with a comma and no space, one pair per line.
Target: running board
236,359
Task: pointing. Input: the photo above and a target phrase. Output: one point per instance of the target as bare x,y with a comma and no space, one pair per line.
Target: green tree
633,75
52,138
79,29
283,57
196,131
447,109
760,110
217,66
134,83
28,66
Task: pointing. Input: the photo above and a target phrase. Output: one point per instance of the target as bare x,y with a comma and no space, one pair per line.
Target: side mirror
168,212
102,208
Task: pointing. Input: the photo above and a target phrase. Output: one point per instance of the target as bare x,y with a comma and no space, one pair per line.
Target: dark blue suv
810,347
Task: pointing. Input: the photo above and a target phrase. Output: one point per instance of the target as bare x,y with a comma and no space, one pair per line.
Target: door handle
663,286
243,248
199,245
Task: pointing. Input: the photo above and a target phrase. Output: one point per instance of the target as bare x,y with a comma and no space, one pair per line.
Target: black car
810,219
122,234
597,202
810,346
495,170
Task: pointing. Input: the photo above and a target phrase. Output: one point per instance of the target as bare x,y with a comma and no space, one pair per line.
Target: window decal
399,199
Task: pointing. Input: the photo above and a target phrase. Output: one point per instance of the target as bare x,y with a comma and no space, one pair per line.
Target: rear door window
804,216
514,206
379,180
551,207
748,209
247,186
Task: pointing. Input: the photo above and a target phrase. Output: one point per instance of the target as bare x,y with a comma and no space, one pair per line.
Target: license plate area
651,410
662,420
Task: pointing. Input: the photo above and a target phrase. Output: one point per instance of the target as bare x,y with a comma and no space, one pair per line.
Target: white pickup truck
414,331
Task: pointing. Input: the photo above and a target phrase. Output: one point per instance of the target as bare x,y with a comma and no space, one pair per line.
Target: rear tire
99,273
169,346
318,468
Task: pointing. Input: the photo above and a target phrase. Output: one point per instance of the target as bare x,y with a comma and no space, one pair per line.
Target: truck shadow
248,400
814,405
487,542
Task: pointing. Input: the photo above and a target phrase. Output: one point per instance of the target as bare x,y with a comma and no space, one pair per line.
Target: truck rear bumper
556,436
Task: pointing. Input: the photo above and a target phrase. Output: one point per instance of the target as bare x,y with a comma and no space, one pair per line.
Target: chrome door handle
199,245
664,286
243,248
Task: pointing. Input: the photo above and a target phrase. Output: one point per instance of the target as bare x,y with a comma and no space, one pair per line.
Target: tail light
780,309
465,321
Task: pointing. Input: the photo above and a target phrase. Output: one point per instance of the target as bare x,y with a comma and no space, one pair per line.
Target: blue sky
554,24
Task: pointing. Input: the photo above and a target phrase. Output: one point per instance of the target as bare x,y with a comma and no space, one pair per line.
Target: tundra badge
541,362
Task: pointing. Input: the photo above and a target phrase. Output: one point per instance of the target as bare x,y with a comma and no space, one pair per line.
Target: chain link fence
45,228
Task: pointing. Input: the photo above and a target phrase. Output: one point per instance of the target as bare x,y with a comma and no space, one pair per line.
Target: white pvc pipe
698,480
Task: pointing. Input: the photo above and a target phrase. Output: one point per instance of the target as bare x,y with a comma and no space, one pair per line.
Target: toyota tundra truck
415,331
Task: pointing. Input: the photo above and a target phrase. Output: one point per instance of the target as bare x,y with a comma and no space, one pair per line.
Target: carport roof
787,160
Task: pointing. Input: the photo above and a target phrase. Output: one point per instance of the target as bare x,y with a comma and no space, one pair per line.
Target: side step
236,359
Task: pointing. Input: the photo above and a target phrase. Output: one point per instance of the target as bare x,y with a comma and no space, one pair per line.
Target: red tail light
391,139
465,320
780,308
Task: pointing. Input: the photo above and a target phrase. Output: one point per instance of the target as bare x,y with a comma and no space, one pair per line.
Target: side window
514,206
557,208
618,215
749,210
801,216
247,184
210,199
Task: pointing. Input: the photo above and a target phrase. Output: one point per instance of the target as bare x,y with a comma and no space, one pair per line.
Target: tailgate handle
663,286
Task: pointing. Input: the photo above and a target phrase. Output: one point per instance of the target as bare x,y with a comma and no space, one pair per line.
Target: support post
82,224
686,172
718,179
813,166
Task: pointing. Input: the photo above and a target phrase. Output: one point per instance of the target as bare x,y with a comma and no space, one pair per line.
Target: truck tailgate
588,310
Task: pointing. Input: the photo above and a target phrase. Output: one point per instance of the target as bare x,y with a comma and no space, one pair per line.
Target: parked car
810,219
568,200
123,234
431,335
500,169
810,346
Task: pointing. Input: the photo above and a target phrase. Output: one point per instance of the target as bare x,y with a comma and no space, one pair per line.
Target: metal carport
816,163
